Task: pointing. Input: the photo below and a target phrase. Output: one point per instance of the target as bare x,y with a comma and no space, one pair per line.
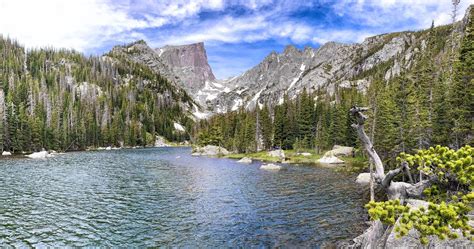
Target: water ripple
149,197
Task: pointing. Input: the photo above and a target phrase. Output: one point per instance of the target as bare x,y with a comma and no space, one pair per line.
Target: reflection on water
153,197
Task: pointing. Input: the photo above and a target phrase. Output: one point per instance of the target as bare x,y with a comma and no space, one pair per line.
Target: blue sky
237,34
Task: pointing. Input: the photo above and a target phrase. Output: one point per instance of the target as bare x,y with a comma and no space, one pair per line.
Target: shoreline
351,164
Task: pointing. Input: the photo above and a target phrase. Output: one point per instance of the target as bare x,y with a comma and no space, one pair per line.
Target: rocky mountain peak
291,50
189,62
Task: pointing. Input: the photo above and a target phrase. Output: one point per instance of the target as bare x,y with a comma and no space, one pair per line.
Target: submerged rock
271,166
245,160
6,153
210,150
330,160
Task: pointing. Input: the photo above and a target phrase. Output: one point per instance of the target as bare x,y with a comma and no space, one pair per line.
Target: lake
166,197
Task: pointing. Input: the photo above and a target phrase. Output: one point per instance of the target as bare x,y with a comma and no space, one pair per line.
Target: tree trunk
395,190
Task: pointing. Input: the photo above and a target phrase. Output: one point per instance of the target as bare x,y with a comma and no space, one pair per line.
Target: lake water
164,196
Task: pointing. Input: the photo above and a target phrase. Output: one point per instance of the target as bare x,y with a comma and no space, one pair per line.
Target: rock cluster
210,150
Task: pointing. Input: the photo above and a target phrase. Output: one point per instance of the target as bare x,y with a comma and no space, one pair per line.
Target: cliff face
186,66
189,63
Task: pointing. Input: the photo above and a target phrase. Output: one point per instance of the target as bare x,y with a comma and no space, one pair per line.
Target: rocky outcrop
383,236
6,153
245,160
277,153
271,166
330,160
189,63
210,150
338,150
161,142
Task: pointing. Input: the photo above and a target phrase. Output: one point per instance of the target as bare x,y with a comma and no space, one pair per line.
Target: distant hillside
61,100
419,87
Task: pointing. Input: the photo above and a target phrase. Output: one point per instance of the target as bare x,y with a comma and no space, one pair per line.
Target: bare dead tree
394,190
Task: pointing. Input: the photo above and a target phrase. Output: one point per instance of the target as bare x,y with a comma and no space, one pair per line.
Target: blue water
165,197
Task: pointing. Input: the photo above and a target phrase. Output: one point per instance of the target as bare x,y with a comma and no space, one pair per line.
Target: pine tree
266,127
462,94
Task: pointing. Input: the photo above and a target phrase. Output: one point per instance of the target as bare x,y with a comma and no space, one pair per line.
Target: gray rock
338,150
245,160
161,142
363,179
304,154
380,236
210,150
189,63
277,153
330,160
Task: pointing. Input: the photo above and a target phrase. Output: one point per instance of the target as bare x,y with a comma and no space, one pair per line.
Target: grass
353,164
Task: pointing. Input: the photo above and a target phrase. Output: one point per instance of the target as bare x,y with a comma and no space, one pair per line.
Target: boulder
363,179
245,160
380,236
330,160
160,142
108,148
210,150
338,150
271,166
304,154
411,240
277,153
39,155
6,153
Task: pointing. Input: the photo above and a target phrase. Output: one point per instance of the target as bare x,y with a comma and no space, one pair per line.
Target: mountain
327,68
189,63
324,69
62,100
418,86
333,65
186,66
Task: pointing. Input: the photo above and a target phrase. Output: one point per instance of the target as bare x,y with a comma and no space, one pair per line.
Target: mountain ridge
326,68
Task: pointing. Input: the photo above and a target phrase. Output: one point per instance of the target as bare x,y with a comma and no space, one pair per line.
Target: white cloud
412,14
88,24
229,29
78,24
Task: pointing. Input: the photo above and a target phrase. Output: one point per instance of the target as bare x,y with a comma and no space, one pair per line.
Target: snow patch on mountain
178,127
237,103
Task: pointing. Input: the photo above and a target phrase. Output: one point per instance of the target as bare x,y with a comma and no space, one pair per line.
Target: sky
237,34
